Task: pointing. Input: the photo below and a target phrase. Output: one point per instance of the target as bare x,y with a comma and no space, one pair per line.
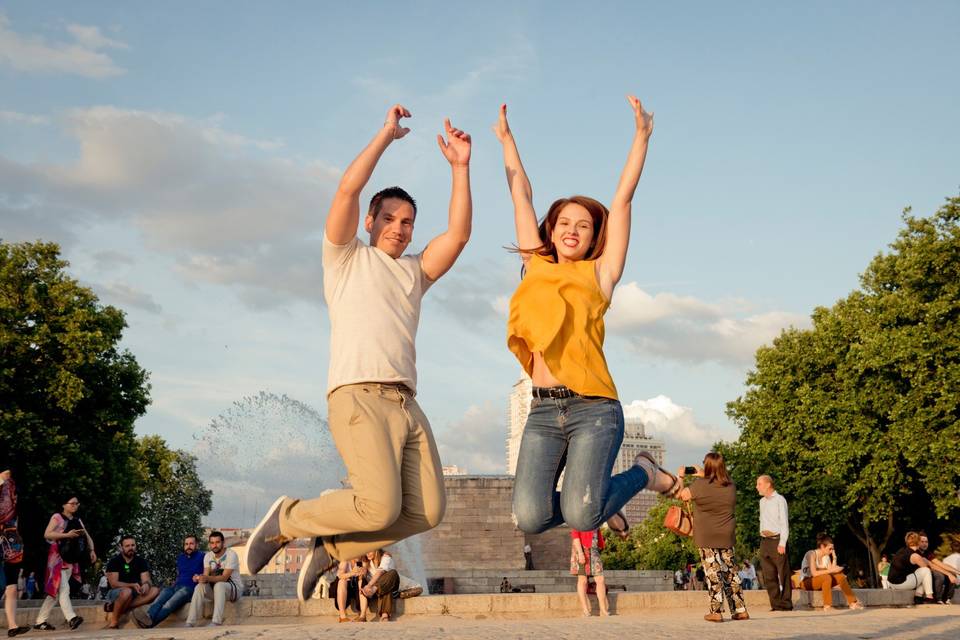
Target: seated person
945,577
219,581
505,586
380,581
171,599
349,573
819,570
910,570
129,578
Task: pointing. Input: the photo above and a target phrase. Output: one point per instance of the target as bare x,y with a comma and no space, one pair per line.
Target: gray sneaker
317,563
266,540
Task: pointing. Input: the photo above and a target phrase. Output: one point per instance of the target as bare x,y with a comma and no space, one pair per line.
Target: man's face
189,545
762,486
216,544
392,230
924,543
128,547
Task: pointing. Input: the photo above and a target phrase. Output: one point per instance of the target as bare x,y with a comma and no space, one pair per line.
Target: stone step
485,605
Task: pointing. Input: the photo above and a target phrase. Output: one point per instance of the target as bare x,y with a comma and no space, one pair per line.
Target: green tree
858,418
69,397
650,546
173,500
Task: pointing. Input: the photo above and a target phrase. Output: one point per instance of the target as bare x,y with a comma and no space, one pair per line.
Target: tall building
517,418
635,440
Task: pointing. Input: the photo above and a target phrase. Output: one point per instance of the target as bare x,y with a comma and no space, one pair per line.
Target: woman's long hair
598,213
715,470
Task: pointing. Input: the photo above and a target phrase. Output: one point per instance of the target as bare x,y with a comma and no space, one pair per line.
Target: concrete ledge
495,605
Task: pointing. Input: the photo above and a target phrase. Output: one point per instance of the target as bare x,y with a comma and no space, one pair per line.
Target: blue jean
583,435
169,600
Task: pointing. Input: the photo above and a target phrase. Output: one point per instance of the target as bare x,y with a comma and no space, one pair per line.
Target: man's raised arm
344,213
443,250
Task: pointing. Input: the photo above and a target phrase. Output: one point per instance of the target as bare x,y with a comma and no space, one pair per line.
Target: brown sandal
677,485
619,525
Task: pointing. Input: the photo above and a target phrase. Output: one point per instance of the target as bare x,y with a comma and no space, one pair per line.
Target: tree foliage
858,418
69,396
173,499
650,546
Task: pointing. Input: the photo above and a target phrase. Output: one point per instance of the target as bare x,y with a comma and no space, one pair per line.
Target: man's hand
781,549
643,119
202,579
456,148
392,121
196,578
502,128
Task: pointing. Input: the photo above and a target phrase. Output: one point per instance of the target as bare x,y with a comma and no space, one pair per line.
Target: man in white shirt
373,295
220,581
774,533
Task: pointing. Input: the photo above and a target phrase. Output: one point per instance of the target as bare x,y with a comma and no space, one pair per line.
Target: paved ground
920,623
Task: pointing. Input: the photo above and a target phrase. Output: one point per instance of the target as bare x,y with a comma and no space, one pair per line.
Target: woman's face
573,233
370,555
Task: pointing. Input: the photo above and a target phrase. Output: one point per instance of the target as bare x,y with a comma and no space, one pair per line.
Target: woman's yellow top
558,311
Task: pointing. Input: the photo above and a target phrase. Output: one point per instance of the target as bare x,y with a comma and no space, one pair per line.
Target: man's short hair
376,202
189,536
767,479
216,534
125,537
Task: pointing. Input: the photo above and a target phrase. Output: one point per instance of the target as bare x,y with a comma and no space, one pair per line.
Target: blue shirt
187,567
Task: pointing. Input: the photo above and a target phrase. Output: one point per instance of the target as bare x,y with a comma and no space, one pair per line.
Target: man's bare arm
443,250
344,213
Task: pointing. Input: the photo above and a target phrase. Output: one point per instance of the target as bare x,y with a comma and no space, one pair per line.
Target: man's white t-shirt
374,305
229,560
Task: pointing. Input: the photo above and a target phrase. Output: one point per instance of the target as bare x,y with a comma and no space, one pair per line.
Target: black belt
560,392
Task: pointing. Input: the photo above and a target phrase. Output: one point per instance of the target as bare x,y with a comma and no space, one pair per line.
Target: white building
517,418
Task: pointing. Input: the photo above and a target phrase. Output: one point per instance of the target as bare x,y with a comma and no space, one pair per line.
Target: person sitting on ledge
348,591
220,581
173,598
128,575
819,570
380,581
505,586
910,570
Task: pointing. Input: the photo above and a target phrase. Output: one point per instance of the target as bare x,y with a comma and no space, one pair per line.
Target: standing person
527,557
373,294
585,562
714,498
189,564
748,576
220,581
11,550
65,529
381,581
910,570
31,585
819,570
883,570
128,575
774,533
572,261
945,577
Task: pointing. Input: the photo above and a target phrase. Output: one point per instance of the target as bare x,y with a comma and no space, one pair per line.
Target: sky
184,154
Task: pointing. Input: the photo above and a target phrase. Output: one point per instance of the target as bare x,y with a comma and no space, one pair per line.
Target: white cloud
124,296
687,329
226,209
13,117
477,441
686,439
83,56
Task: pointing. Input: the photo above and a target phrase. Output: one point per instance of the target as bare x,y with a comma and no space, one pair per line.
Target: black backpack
73,550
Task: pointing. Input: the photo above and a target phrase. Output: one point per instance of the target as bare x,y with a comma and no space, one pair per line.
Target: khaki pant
394,471
826,582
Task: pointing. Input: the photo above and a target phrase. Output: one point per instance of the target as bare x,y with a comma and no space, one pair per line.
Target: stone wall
478,532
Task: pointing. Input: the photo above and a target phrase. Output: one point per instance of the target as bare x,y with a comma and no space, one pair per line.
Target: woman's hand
580,557
502,128
643,119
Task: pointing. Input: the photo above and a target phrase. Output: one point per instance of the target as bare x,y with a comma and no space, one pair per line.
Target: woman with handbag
714,499
11,554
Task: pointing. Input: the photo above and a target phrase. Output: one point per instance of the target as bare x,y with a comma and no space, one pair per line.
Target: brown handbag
679,520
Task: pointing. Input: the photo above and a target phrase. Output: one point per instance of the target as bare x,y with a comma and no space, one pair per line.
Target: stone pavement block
263,608
521,602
